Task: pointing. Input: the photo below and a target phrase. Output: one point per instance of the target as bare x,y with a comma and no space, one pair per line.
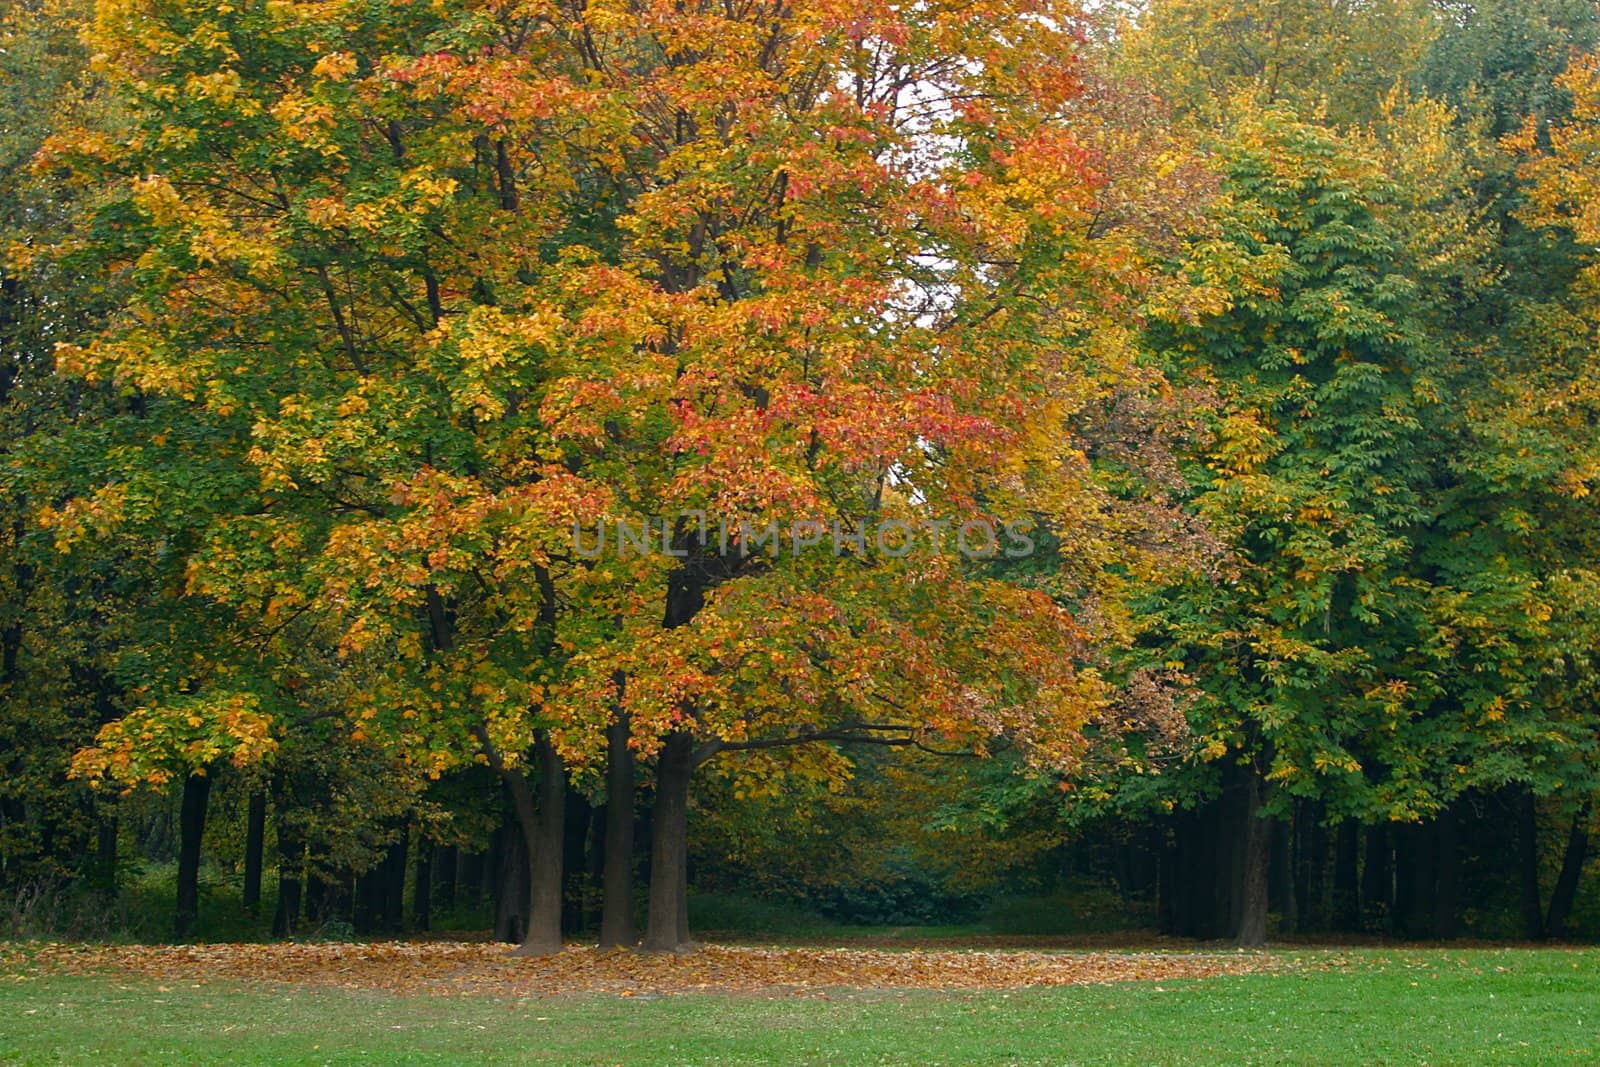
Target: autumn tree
1314,481
474,275
1332,58
60,620
1475,577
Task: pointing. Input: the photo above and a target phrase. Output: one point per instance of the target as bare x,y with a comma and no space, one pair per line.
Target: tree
60,620
1336,60
1312,479
1470,654
476,274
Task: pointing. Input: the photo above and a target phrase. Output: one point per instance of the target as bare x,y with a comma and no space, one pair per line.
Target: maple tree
474,275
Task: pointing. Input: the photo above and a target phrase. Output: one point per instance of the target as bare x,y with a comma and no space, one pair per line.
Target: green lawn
1371,1006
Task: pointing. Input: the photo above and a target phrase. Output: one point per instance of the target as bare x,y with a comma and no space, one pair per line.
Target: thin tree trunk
594,854
1528,862
319,896
192,826
544,828
491,884
472,877
255,833
616,907
1315,914
422,890
393,882
1200,852
1300,849
1566,890
489,881
1121,862
291,867
1257,853
365,916
667,929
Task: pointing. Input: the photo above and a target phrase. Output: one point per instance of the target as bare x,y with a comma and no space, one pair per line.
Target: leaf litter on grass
457,968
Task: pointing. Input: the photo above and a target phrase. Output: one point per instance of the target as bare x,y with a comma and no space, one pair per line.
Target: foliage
1336,60
332,334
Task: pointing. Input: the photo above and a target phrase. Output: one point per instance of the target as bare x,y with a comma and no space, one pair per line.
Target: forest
621,472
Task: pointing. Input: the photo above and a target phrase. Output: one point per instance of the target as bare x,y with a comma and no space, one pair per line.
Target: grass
1396,1006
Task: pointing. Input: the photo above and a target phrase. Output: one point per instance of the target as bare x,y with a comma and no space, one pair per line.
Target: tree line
324,330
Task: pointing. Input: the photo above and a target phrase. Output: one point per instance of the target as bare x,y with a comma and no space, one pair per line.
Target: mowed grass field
1381,1005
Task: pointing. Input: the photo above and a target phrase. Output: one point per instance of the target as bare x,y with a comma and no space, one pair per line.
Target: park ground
887,1001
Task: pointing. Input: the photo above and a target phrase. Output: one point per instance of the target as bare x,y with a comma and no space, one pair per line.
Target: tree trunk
616,906
393,883
1528,863
255,833
422,891
367,915
1301,848
1257,853
594,853
511,885
192,827
318,894
1572,861
1346,877
544,829
667,929
472,876
683,892
291,866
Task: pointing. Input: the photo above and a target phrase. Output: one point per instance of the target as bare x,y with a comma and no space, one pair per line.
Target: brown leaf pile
458,968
